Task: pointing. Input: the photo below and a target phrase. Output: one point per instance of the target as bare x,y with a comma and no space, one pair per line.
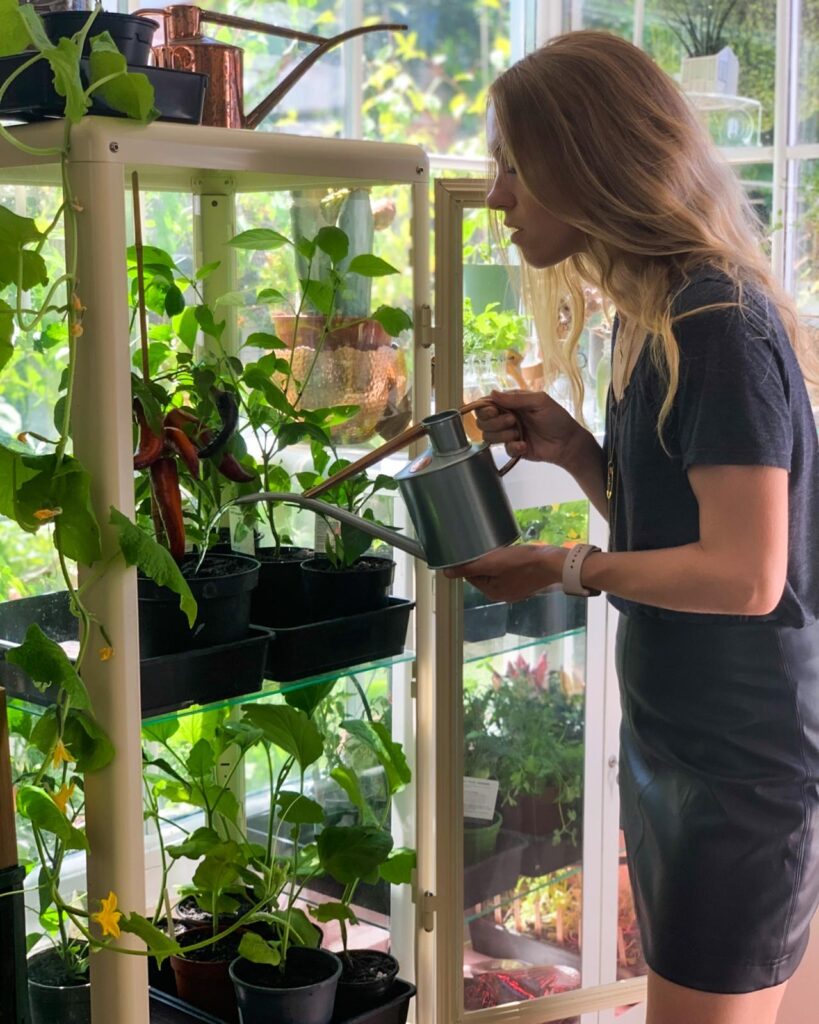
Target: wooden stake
8,835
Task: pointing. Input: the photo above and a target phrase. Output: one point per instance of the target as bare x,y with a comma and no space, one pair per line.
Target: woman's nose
498,197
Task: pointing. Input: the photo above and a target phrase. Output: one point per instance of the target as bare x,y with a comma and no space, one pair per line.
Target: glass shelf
270,689
538,885
510,642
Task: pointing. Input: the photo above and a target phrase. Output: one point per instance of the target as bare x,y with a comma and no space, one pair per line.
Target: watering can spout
322,508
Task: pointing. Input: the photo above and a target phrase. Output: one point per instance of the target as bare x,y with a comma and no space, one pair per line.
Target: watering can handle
402,440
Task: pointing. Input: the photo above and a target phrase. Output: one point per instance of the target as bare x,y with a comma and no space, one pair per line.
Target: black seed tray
179,95
168,682
300,652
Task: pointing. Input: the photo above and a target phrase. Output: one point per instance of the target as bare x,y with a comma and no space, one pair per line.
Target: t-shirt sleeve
732,406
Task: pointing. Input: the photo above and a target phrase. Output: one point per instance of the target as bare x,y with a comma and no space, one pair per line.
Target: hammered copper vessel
185,48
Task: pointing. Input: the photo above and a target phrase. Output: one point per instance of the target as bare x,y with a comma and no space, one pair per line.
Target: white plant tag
480,796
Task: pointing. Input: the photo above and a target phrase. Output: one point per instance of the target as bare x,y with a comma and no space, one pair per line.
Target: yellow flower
62,755
46,514
108,917
106,653
62,796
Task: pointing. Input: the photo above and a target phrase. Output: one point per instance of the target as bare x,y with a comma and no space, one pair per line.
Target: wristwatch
571,571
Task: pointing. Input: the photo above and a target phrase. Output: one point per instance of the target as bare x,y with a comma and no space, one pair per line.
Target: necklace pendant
610,481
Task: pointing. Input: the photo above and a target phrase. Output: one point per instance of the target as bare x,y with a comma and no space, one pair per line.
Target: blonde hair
591,119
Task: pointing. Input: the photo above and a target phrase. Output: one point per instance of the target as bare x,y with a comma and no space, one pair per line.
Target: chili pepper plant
45,487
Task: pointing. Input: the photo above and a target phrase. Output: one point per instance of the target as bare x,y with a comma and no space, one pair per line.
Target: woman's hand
510,574
531,425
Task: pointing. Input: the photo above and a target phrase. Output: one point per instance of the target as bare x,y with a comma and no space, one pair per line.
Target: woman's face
542,238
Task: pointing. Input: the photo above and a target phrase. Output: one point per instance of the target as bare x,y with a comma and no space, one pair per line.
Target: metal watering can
185,48
453,492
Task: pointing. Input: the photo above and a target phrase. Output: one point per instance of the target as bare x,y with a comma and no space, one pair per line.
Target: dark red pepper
228,409
179,442
165,485
150,444
230,467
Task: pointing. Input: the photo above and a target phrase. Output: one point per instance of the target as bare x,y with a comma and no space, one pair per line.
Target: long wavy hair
590,118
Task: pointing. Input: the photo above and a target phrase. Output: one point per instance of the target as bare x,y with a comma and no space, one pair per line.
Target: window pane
733,90
806,238
807,129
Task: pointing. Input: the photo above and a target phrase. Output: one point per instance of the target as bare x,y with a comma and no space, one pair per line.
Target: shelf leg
101,419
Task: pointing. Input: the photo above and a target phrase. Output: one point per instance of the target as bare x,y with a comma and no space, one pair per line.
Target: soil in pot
53,996
223,588
335,593
480,838
279,599
304,993
202,978
367,975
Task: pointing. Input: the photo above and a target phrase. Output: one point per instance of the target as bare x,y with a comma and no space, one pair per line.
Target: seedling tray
179,95
299,652
168,682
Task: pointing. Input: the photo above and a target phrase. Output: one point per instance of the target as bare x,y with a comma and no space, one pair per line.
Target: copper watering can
453,492
185,48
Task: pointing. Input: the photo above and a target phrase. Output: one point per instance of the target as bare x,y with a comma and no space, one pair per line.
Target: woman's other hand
531,425
513,573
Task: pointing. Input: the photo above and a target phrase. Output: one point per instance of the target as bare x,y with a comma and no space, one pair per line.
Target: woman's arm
586,461
737,567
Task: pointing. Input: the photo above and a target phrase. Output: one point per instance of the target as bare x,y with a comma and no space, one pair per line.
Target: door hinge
429,907
426,332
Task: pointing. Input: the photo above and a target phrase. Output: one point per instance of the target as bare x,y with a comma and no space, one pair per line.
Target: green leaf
187,327
348,780
259,239
301,927
398,867
198,844
234,299
368,265
207,269
325,912
319,294
269,295
159,944
16,230
48,664
87,741
390,754
394,321
174,301
14,37
6,333
152,255
201,759
130,93
351,853
263,339
258,951
299,809
289,729
334,242
153,561
308,698
204,317
36,805
64,59
219,869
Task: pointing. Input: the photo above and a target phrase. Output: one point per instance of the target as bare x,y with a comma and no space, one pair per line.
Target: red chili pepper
182,418
179,442
165,484
150,444
230,467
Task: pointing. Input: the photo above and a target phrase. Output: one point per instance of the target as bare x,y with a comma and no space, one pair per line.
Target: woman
709,478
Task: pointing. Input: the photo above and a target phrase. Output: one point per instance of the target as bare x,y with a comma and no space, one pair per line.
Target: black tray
498,873
167,683
300,652
179,95
393,1011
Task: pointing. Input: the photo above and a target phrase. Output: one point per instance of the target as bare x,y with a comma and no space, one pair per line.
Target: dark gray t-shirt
741,400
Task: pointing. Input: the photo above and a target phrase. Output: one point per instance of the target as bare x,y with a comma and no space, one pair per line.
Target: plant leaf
14,36
48,664
299,809
325,912
198,844
258,951
348,780
398,867
36,805
390,754
153,561
259,239
204,317
87,741
334,242
352,852
368,265
130,93
289,729
159,944
394,321
309,698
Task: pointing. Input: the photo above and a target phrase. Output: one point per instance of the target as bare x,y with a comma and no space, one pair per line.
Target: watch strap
571,570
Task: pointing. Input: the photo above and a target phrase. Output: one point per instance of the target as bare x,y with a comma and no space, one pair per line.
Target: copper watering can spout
453,493
185,48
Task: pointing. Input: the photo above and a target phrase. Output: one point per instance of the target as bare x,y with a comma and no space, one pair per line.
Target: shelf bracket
426,332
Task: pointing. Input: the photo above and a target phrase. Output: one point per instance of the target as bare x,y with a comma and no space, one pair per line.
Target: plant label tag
480,796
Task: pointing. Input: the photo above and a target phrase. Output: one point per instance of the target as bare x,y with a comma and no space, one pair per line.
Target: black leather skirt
719,788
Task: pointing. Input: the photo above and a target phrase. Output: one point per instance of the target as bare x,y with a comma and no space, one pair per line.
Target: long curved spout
322,508
260,112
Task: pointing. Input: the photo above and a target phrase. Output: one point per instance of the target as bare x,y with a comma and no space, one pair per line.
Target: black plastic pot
13,987
133,35
222,590
332,593
367,975
262,999
49,1000
547,614
279,598
483,619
